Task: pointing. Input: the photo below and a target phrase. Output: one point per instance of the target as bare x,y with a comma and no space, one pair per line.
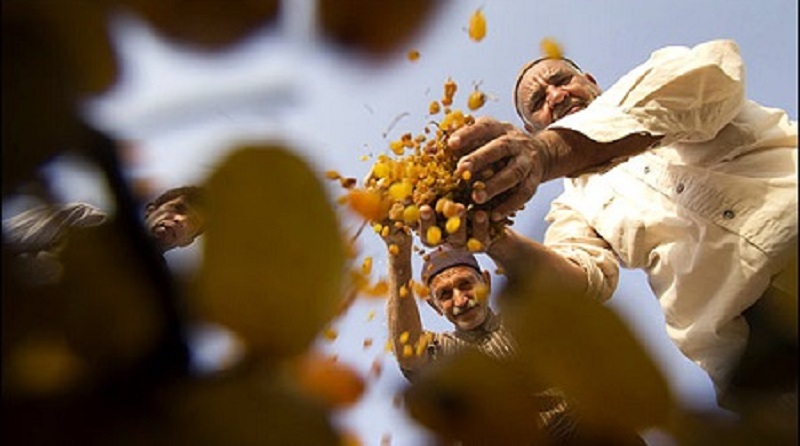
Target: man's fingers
480,228
517,199
468,138
427,218
486,157
512,175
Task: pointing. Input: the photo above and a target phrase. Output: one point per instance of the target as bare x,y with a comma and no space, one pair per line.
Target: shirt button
728,214
646,169
679,188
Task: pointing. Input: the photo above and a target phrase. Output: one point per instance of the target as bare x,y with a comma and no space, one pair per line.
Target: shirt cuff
600,283
602,123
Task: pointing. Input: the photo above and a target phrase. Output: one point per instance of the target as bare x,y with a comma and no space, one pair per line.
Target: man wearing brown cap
458,290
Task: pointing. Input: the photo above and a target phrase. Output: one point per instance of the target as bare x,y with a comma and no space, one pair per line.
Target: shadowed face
459,294
174,223
552,89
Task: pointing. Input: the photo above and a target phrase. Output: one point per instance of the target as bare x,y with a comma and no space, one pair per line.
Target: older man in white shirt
672,170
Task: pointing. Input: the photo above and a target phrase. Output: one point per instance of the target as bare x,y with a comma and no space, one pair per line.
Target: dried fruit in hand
418,170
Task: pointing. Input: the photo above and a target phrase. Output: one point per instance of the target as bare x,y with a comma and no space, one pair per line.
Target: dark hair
525,69
194,195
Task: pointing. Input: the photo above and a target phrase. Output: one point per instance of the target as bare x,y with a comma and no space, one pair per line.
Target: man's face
456,293
174,223
552,89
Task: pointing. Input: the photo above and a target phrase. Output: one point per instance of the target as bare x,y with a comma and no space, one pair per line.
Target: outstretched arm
528,160
537,267
405,325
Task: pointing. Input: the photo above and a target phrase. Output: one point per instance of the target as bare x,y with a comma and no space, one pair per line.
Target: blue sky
185,109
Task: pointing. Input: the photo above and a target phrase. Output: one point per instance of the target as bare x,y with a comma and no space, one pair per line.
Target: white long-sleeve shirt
710,215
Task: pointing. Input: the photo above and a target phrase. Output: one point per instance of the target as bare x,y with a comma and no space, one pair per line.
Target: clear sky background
185,109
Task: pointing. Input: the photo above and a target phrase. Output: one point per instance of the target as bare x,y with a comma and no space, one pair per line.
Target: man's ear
149,209
487,279
590,77
433,305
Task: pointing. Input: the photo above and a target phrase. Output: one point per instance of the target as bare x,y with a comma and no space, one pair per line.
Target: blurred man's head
459,290
548,89
175,218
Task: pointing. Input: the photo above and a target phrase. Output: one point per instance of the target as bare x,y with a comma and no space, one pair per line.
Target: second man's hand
514,159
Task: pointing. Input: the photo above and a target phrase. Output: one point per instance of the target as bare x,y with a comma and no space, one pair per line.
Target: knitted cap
443,258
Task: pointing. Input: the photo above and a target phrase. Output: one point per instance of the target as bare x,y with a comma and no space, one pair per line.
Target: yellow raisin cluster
418,171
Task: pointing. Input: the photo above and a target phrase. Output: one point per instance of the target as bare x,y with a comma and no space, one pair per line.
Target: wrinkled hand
489,144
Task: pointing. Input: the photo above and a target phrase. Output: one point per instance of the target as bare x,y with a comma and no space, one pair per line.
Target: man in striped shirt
459,290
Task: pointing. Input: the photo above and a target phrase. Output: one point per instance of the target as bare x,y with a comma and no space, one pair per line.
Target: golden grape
476,100
477,26
551,48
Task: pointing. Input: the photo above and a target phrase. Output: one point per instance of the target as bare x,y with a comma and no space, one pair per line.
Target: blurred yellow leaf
475,399
105,316
274,258
780,301
211,24
768,424
584,349
54,53
75,34
332,383
38,87
112,313
41,366
373,28
249,407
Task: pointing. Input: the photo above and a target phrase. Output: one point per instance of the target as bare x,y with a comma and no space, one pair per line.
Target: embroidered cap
443,258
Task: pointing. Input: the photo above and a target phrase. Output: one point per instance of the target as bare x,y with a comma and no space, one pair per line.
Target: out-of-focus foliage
100,357
325,379
375,29
473,398
565,342
210,24
254,405
769,425
273,255
57,52
584,348
782,308
52,53
101,319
